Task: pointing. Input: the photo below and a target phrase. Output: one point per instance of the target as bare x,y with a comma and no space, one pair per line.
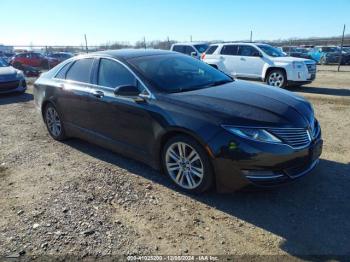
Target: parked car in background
7,56
194,49
11,79
60,56
296,51
260,62
329,55
180,115
33,59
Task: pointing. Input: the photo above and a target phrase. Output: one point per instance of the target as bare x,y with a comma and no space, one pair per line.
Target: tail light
203,56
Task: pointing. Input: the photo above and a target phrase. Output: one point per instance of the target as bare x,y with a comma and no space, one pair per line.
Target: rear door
251,63
229,59
74,92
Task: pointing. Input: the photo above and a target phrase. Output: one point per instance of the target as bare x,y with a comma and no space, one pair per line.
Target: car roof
132,53
191,43
240,43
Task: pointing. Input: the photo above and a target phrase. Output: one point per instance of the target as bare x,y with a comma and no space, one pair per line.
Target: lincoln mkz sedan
179,115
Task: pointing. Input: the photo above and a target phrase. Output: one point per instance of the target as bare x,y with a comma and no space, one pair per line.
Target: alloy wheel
53,121
276,79
184,165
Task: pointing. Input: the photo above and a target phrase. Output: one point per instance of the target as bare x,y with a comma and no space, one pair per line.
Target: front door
251,63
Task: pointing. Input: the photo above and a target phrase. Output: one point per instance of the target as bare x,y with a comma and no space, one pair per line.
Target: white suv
262,62
194,49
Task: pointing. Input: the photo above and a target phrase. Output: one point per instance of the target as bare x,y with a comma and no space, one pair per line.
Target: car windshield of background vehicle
3,63
271,51
178,73
201,48
331,49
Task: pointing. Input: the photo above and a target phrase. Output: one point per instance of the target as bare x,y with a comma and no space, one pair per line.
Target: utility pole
144,42
341,49
251,36
190,38
168,42
86,45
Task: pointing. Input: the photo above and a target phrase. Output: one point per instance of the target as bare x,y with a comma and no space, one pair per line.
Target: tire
277,78
191,171
323,61
54,123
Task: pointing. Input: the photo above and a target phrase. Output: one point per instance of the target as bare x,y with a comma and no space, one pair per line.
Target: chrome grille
5,86
311,68
295,137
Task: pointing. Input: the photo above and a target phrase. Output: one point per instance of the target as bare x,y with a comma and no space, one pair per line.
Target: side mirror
258,54
194,54
127,90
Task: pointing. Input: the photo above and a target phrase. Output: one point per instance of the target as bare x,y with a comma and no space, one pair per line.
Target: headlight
298,65
253,133
19,74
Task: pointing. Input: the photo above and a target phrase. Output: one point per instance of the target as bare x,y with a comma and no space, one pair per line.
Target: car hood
290,59
248,104
8,73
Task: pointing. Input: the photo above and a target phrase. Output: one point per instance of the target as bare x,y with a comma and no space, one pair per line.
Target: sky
64,22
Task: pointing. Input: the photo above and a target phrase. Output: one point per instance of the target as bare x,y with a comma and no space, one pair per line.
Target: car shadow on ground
311,215
12,98
321,90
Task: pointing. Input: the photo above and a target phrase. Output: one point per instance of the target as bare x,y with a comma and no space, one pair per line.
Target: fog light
261,174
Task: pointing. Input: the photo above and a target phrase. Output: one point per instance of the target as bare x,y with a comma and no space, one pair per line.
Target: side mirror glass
126,90
194,54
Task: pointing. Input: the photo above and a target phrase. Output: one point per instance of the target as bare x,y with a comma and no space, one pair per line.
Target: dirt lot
78,199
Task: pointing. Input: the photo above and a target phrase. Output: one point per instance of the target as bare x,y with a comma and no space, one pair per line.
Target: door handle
98,94
242,59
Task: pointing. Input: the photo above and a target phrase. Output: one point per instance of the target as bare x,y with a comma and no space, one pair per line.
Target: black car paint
139,128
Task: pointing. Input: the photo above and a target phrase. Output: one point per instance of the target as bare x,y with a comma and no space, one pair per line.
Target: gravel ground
78,199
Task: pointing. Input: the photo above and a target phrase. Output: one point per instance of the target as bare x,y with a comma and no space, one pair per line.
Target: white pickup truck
260,62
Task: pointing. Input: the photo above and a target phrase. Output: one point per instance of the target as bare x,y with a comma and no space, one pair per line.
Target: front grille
295,137
311,68
5,86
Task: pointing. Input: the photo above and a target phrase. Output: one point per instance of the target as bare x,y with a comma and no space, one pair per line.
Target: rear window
211,49
179,48
229,50
201,48
62,73
80,70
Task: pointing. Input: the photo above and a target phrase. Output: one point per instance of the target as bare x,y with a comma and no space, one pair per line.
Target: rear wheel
187,164
276,77
323,60
54,123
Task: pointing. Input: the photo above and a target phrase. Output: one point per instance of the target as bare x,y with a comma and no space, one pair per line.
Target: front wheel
187,164
54,123
276,78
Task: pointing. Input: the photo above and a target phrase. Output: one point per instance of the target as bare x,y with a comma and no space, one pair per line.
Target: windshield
271,51
3,63
201,48
330,49
178,73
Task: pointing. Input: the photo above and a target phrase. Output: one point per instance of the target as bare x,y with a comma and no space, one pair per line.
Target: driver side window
112,74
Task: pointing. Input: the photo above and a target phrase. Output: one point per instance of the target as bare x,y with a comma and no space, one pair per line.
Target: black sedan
180,115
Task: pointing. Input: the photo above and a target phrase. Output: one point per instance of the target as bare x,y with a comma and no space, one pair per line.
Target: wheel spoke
173,155
197,171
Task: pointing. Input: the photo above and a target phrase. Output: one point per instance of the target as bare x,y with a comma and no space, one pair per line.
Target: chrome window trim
149,95
73,60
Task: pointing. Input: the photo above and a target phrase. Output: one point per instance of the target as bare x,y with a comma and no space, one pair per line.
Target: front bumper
241,163
13,86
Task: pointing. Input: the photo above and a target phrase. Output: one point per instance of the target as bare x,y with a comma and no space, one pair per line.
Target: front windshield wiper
220,82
